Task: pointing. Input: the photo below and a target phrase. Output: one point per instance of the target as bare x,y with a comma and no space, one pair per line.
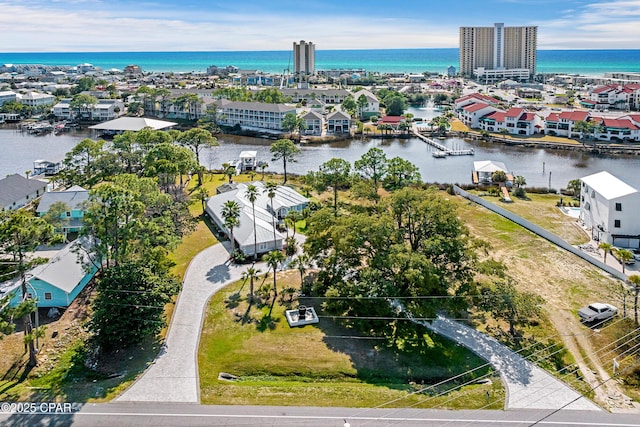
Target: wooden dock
505,193
442,151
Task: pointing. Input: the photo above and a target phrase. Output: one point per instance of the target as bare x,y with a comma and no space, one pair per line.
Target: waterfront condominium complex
304,58
495,53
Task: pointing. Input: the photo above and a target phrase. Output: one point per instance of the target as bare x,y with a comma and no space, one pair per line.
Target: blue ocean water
587,62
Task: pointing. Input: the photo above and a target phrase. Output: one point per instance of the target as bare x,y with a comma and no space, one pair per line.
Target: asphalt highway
164,414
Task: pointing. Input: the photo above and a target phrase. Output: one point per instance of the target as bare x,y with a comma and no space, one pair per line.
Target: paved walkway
173,376
528,387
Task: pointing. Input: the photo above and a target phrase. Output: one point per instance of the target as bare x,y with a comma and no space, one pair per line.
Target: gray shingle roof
16,187
73,198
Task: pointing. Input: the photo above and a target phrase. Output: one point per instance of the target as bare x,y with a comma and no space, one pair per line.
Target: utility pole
549,180
28,326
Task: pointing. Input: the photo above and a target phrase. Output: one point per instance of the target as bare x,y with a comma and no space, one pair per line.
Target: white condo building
496,53
304,58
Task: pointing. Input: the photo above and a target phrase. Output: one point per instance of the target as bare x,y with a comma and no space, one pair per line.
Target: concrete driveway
173,376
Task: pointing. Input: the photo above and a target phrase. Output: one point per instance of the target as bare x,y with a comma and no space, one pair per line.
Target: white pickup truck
597,311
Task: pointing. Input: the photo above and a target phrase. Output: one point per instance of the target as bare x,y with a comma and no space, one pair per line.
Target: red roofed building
393,121
471,114
516,121
562,124
620,130
616,96
474,98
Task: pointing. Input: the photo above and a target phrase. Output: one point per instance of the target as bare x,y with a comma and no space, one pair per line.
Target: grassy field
565,281
542,210
323,364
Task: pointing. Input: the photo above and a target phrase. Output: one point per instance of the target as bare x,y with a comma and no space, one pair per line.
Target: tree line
136,214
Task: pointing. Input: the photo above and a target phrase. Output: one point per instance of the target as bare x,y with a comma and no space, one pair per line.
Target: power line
470,371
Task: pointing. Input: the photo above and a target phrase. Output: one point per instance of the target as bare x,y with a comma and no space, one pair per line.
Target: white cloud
53,28
96,25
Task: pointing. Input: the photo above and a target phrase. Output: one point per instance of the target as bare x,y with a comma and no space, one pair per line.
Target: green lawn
324,364
542,210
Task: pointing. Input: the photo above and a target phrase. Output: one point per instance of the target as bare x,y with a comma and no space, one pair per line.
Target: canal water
539,166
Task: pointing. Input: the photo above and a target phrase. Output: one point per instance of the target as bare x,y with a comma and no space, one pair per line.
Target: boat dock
37,128
442,151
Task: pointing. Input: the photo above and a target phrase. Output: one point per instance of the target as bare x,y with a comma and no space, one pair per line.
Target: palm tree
302,263
292,246
519,181
229,171
606,248
499,176
624,255
291,219
635,281
273,259
202,194
271,188
251,274
252,195
231,216
263,166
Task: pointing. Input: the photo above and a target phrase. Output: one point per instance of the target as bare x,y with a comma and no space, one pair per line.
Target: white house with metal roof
286,199
267,238
609,207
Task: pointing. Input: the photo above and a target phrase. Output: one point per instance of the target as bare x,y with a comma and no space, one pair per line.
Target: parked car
597,311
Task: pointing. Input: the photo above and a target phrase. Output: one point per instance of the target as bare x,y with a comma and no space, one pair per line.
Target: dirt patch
566,283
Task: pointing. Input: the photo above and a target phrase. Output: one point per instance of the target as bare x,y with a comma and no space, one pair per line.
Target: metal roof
133,124
66,269
608,186
489,166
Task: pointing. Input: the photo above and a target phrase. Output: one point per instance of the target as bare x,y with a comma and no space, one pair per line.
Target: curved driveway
173,376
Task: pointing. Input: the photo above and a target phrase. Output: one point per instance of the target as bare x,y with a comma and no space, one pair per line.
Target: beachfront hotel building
304,58
496,53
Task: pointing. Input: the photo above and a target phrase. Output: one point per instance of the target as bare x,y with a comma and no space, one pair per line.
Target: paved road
173,377
171,414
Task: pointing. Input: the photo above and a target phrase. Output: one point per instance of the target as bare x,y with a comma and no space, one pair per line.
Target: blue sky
198,25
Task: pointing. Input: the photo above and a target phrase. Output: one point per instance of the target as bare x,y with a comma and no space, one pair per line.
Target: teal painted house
74,198
58,282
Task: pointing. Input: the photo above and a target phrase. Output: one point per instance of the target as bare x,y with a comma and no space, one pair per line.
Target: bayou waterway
539,166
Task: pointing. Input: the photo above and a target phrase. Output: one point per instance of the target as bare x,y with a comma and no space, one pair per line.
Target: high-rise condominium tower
498,52
304,58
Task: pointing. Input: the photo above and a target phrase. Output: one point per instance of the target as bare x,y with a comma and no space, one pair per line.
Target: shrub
520,192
